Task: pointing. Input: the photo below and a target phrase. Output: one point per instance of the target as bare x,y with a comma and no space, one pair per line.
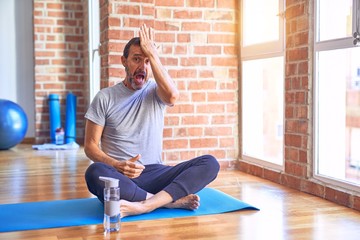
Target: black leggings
179,181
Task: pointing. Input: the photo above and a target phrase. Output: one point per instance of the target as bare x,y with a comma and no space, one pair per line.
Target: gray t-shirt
133,122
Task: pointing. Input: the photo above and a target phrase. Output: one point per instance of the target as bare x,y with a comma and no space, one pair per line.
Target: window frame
320,46
258,52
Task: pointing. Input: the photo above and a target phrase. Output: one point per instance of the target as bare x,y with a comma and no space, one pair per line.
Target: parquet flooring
30,175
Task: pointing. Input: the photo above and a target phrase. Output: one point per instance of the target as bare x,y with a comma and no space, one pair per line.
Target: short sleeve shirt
133,122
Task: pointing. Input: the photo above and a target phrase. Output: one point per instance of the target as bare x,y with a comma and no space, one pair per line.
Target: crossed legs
158,185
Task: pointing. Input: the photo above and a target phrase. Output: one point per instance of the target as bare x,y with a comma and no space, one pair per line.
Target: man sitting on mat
123,136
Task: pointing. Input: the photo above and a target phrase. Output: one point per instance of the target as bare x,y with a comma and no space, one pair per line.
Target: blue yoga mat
78,212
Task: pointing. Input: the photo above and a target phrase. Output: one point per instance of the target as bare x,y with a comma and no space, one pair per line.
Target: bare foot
131,208
190,202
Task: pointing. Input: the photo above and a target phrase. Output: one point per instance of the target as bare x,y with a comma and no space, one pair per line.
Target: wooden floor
29,175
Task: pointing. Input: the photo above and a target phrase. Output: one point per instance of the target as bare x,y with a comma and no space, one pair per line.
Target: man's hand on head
147,41
166,88
130,168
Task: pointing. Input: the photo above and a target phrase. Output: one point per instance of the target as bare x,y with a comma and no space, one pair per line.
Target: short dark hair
133,41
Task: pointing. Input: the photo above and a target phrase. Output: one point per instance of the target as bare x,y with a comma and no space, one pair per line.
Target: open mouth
139,78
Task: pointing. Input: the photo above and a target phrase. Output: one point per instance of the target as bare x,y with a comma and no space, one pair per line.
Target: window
262,60
337,92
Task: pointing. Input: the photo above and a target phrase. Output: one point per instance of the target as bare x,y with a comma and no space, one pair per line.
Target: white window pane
338,114
263,109
260,21
334,19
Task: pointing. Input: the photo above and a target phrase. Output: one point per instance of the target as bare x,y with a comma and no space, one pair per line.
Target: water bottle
111,205
59,136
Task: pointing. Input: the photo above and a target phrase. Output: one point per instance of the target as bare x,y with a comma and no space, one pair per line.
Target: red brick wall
198,44
59,60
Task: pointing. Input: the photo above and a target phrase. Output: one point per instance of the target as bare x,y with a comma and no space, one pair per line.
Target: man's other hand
130,168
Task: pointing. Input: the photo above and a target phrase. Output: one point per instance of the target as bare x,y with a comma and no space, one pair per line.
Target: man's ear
123,61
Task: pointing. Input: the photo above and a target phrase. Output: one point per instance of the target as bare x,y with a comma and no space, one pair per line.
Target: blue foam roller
55,117
70,118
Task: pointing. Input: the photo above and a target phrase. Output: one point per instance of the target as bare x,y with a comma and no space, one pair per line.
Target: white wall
17,56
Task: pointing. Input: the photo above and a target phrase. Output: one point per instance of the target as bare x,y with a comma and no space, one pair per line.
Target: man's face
137,67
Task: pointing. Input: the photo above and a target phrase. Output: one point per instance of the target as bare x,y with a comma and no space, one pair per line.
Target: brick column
298,104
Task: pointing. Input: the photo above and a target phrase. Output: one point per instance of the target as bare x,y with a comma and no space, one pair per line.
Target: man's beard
136,80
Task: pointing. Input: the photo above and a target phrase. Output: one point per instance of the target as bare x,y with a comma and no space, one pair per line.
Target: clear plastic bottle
59,136
112,219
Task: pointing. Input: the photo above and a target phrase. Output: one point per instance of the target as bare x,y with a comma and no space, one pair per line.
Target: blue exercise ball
13,124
